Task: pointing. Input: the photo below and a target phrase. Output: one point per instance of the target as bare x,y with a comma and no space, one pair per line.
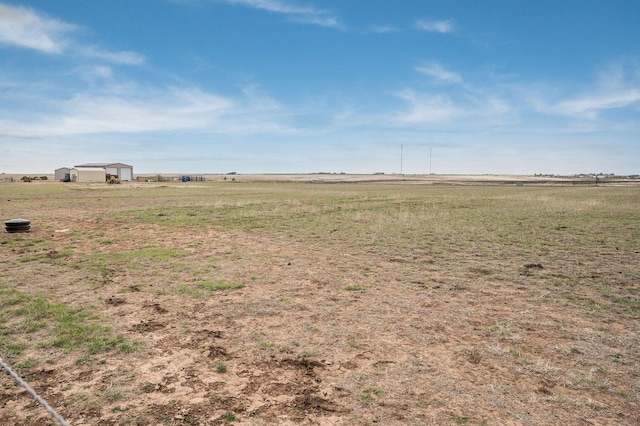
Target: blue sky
356,86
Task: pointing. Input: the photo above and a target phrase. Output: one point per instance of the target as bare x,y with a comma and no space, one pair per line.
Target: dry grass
267,303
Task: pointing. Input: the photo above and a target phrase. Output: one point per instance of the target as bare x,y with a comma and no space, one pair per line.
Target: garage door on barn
127,174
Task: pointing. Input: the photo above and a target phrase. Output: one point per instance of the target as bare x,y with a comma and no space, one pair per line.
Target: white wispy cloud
438,72
442,27
617,87
122,57
96,71
296,12
591,106
427,108
383,29
25,28
131,109
87,114
22,27
460,104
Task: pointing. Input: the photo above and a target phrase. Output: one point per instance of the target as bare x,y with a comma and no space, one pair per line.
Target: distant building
88,174
63,174
124,172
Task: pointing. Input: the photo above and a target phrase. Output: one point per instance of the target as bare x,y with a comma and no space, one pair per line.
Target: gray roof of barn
103,165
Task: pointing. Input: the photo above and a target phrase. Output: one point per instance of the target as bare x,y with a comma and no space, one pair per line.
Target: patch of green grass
627,301
162,254
354,288
148,387
34,324
219,285
200,289
26,364
257,334
107,263
112,394
69,328
221,367
229,416
93,337
188,290
285,300
354,344
519,356
598,307
374,390
20,189
128,348
367,395
366,398
84,359
10,297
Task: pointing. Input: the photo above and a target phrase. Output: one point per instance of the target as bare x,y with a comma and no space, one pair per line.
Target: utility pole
401,147
430,161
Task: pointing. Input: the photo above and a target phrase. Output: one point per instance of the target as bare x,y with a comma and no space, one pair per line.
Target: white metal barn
62,173
88,174
121,171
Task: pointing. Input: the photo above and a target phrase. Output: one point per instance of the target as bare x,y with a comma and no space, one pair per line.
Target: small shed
88,174
124,172
62,174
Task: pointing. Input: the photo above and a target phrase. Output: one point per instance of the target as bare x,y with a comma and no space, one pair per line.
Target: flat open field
265,303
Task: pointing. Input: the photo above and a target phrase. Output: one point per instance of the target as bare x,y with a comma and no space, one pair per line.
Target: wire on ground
33,393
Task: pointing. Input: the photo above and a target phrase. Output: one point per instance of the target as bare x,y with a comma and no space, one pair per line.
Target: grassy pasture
296,303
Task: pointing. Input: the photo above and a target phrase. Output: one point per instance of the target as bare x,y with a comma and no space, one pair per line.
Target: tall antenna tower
401,147
430,161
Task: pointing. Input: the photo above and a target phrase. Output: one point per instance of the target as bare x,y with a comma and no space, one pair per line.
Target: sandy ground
321,334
